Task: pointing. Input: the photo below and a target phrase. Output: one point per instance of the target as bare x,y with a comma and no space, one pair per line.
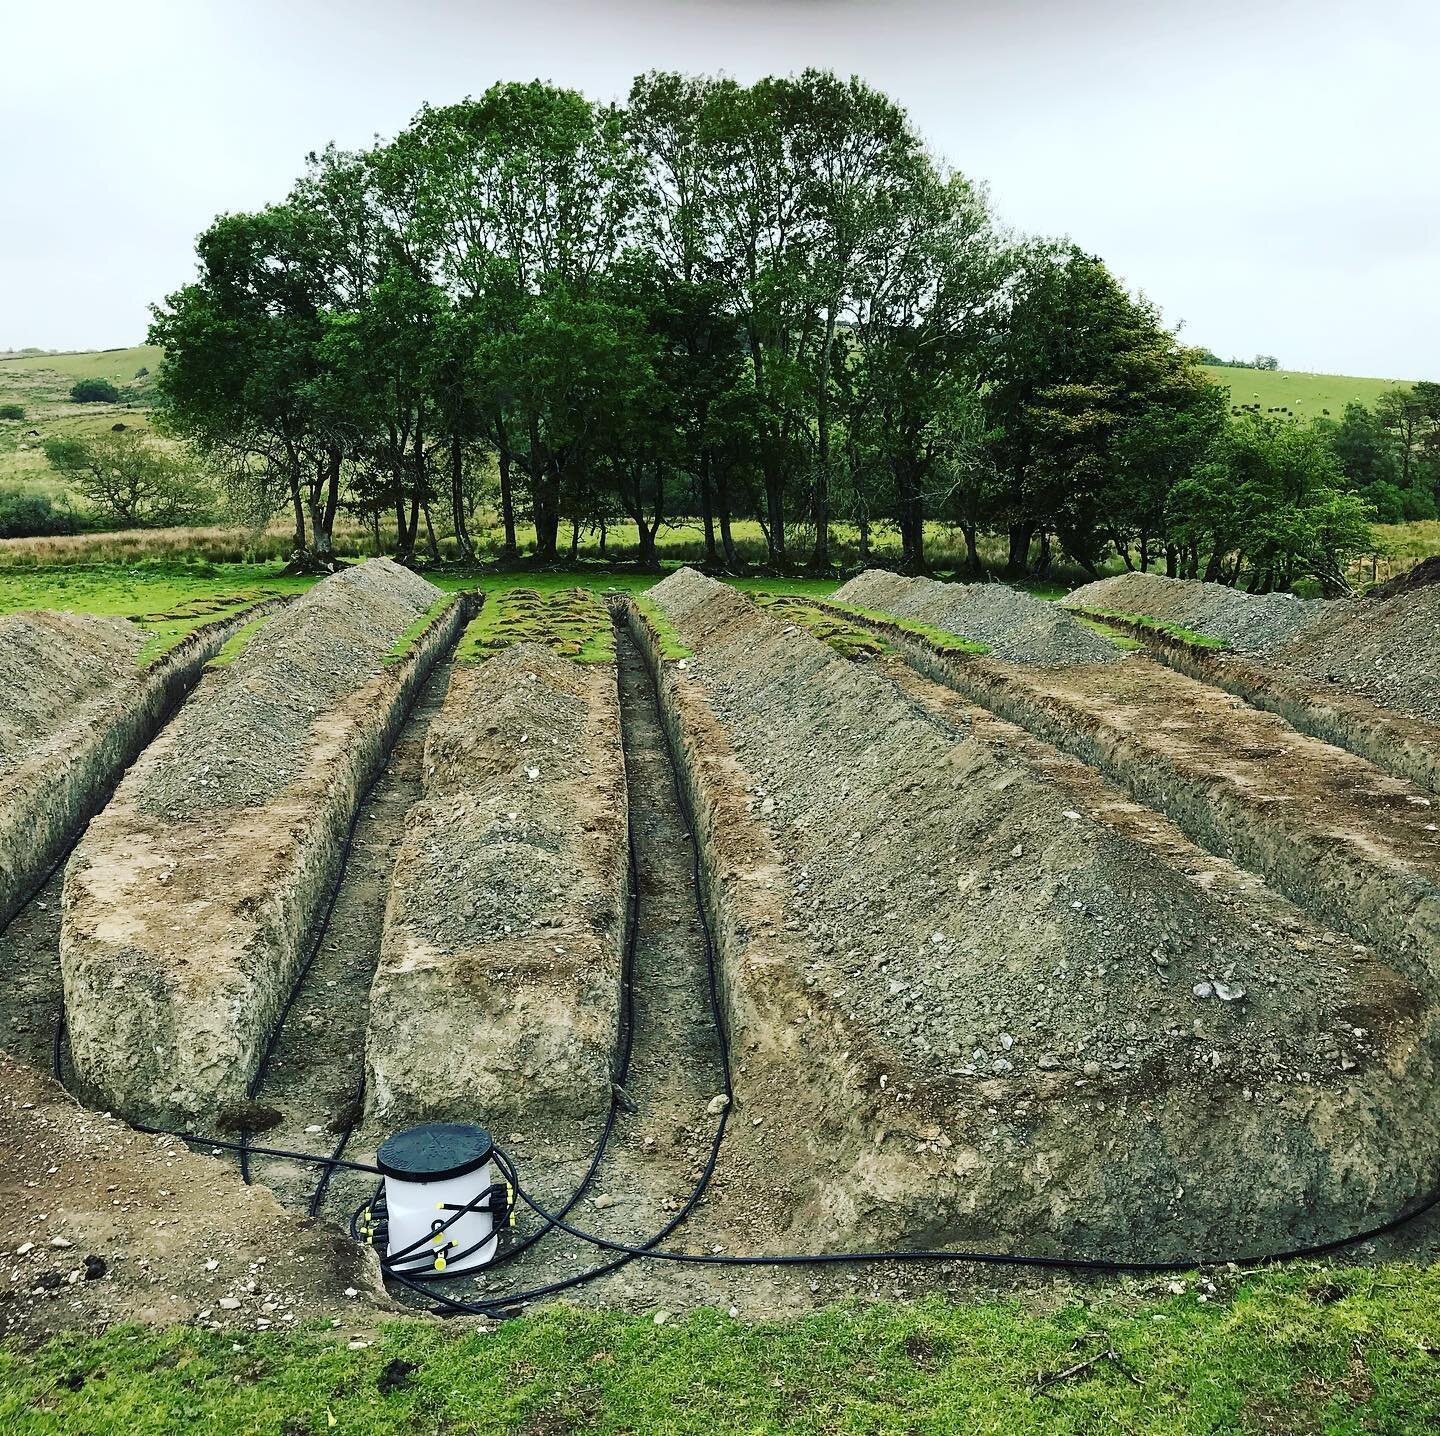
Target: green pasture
1306,395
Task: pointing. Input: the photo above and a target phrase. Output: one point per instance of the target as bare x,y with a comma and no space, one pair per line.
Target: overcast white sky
1265,170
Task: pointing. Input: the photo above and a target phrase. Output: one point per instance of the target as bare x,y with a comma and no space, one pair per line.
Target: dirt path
313,1077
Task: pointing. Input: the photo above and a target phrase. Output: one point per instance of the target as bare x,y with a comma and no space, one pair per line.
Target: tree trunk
972,548
457,499
707,511
722,502
1172,561
507,503
299,507
1017,560
820,555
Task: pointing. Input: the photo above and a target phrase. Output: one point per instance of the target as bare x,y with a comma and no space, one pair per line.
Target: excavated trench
1401,745
1353,845
309,1093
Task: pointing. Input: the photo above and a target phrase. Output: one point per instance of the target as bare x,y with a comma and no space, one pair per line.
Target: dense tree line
765,302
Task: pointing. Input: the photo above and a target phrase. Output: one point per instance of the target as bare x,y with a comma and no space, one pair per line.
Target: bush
26,514
95,391
129,481
12,411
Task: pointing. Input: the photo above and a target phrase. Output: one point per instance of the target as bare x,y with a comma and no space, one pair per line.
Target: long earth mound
1002,1002
187,903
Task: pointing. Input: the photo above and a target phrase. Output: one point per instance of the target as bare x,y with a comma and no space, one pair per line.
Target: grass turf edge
1309,1347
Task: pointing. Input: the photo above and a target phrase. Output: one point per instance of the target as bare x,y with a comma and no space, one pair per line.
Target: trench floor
314,1079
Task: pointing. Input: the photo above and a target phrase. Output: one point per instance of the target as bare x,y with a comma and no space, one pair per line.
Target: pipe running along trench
367,1222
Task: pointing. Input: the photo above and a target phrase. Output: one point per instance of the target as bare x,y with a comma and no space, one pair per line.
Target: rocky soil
296,668
1387,651
99,1224
53,667
1011,624
1058,1024
498,984
1246,622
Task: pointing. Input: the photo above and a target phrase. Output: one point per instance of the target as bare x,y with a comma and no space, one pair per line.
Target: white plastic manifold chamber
437,1177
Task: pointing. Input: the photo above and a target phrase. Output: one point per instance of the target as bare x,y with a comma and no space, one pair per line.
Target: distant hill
40,384
1306,395
119,365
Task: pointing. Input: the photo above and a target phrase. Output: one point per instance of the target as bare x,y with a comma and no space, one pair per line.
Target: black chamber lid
434,1152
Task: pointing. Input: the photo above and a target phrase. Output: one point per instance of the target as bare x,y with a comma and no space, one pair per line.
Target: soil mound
1247,622
188,902
1427,571
1388,651
498,986
1011,624
53,666
317,651
1022,1009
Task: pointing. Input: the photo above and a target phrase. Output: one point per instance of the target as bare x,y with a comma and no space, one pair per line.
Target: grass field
1299,1350
1307,395
41,382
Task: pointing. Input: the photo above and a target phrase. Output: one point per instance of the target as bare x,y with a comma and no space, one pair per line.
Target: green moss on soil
573,622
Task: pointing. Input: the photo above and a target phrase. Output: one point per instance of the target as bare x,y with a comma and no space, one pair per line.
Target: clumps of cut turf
168,627
238,642
672,646
936,637
1155,625
411,636
847,639
572,622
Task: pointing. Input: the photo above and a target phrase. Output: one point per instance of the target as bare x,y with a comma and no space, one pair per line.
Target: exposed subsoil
506,916
1032,1025
101,1224
54,667
313,1082
1246,622
1010,623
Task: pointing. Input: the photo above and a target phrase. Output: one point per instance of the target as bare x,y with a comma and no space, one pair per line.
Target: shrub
95,391
130,481
12,411
26,514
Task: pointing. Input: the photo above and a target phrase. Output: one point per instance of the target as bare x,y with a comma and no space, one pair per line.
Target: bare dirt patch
1011,1010
187,902
100,1224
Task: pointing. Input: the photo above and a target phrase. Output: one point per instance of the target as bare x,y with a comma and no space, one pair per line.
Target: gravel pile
248,731
1388,651
1247,622
506,907
53,665
1011,624
953,898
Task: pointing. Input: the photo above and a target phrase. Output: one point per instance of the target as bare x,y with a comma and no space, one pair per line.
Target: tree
94,391
129,480
12,411
1271,507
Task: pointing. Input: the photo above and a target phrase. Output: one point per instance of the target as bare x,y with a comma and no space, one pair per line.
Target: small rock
1092,1069
230,1303
604,1203
717,1104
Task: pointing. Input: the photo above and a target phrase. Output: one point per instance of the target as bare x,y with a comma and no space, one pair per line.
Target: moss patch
846,638
936,637
573,622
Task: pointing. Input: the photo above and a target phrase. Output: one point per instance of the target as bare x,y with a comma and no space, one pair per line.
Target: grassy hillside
1306,395
41,383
